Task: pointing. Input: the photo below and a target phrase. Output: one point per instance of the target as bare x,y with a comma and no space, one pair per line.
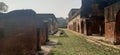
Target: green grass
77,45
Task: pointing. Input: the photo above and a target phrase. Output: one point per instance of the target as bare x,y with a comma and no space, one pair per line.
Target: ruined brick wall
78,19
110,31
43,31
74,24
43,36
70,25
20,34
111,24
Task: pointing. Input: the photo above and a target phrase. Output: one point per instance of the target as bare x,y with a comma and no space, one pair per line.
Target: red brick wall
110,31
111,26
20,34
42,36
24,44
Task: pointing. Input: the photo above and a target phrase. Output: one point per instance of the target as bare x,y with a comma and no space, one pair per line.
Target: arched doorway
88,27
118,27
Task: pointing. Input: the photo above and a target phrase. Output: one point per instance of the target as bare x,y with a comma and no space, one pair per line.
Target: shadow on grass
59,43
51,43
63,34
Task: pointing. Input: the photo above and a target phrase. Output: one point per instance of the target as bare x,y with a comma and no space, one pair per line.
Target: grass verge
77,45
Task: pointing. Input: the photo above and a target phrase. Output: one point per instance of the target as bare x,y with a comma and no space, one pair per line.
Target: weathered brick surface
19,33
112,23
110,31
43,37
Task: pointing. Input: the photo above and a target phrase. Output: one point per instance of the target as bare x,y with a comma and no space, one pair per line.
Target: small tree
3,7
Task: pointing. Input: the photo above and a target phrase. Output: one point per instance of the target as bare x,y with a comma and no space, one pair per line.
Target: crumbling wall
20,33
111,24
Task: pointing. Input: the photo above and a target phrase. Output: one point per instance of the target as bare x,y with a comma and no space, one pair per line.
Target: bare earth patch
48,47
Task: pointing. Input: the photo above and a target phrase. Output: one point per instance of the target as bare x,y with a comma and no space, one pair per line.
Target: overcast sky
59,7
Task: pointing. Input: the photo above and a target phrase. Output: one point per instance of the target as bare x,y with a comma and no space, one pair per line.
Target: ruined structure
51,21
93,13
99,17
90,20
19,33
73,20
22,32
43,27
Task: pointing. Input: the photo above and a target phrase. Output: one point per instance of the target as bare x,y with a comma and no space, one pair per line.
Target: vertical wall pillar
38,40
46,31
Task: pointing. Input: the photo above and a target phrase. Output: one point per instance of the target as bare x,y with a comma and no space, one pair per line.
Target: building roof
23,11
86,7
73,11
47,16
75,14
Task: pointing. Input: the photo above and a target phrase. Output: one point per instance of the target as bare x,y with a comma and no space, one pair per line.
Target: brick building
43,26
74,20
52,22
92,11
102,17
78,23
22,32
97,17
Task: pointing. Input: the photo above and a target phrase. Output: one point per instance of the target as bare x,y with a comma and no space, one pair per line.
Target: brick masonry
112,23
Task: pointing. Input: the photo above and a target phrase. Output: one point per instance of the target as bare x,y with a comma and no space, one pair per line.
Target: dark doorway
118,27
88,27
82,27
78,28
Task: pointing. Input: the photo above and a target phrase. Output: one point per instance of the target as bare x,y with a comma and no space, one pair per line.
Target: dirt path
48,47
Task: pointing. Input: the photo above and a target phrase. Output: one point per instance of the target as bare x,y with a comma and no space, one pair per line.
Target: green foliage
3,7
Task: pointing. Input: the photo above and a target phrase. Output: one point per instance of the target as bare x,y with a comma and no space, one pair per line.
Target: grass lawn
71,44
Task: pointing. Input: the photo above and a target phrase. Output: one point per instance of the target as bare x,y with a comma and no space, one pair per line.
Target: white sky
59,7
